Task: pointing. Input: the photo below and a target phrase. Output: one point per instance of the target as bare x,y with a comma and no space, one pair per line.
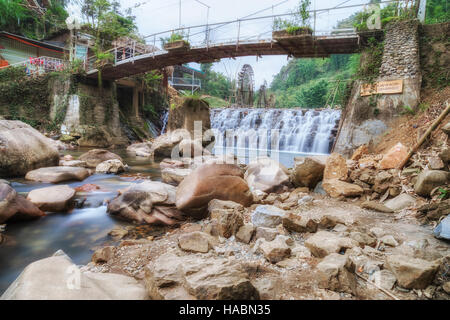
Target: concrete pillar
135,111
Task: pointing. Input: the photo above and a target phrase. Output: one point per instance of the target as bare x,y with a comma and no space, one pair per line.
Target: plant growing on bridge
298,23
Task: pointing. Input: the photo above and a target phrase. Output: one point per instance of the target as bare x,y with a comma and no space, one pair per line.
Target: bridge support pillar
135,111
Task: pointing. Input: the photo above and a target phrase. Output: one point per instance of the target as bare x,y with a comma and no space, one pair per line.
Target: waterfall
164,119
295,130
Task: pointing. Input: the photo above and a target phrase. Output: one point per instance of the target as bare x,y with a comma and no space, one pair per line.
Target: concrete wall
367,118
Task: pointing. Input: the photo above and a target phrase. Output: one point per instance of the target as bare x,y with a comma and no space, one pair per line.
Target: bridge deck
300,47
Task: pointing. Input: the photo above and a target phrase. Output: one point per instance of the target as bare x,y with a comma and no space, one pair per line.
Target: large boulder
307,172
337,188
174,175
96,156
164,145
266,175
188,277
23,148
212,181
58,278
394,157
150,202
335,167
14,207
57,174
140,149
412,273
53,199
110,166
430,179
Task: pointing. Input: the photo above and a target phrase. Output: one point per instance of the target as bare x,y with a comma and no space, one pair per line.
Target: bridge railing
323,23
187,82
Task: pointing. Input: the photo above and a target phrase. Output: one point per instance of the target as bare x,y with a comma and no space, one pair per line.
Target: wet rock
323,243
208,182
110,166
245,233
174,175
384,279
192,148
430,179
118,233
442,231
228,221
337,188
307,172
373,205
334,276
50,279
275,250
297,223
23,148
401,202
54,199
172,163
14,207
173,277
335,168
267,216
57,174
103,255
96,156
266,175
73,163
140,149
194,242
412,273
164,144
149,202
394,157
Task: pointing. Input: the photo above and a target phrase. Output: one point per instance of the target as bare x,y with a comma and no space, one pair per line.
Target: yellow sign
382,87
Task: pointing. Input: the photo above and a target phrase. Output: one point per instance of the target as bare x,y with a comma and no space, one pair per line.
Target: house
18,49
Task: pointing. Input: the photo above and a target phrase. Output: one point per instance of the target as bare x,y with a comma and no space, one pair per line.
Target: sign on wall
382,87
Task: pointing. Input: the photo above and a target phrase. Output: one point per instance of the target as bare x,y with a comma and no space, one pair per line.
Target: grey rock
430,179
442,230
267,216
400,202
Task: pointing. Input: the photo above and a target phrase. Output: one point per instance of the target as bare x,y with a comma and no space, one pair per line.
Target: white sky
154,16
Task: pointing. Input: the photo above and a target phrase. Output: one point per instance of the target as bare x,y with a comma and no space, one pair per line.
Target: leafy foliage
437,11
214,83
309,83
299,20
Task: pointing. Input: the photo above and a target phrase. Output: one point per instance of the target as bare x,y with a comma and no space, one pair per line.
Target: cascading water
299,131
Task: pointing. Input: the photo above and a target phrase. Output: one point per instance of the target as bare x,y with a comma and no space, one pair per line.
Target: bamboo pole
425,136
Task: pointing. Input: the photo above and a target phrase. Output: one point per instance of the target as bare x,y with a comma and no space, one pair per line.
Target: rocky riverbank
328,228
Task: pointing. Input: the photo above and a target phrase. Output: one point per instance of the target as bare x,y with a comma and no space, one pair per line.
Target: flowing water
80,231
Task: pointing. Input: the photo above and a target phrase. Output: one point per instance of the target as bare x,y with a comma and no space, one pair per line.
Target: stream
79,232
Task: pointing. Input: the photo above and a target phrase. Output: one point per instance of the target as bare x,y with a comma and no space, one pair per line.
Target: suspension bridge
251,36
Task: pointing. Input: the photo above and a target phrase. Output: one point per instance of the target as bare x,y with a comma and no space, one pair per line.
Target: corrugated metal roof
32,41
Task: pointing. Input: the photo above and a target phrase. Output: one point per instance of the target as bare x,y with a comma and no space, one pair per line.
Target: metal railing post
239,32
